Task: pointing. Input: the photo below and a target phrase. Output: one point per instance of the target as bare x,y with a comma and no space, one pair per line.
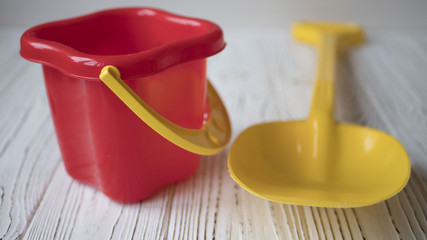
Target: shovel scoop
317,161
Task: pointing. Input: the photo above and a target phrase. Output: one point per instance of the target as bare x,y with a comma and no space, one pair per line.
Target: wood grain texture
263,75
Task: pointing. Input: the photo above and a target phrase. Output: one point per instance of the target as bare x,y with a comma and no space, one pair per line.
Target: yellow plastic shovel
319,162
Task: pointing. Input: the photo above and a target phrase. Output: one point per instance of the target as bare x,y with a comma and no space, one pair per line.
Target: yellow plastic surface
209,140
318,162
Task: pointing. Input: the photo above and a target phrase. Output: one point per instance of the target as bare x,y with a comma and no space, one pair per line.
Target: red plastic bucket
161,56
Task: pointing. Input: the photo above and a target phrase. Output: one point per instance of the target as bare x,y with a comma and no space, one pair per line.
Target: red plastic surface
161,57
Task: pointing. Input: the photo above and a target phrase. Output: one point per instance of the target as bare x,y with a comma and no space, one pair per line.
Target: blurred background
409,15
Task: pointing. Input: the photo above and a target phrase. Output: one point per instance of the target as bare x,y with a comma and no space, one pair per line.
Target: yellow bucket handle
209,140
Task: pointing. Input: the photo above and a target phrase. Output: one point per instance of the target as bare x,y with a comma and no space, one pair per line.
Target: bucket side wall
104,144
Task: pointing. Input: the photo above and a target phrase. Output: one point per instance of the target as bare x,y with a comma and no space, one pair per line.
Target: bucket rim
79,64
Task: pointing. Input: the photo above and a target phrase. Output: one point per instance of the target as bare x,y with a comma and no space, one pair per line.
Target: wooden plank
376,223
153,216
343,224
419,198
326,224
186,221
319,226
28,149
397,214
308,221
409,210
282,227
353,224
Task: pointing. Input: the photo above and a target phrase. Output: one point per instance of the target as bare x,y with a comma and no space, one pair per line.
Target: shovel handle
329,38
322,103
209,140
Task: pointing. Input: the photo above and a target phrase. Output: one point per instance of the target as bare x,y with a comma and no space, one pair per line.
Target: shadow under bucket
161,57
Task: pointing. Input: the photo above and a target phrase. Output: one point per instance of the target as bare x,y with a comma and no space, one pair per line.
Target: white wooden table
262,75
